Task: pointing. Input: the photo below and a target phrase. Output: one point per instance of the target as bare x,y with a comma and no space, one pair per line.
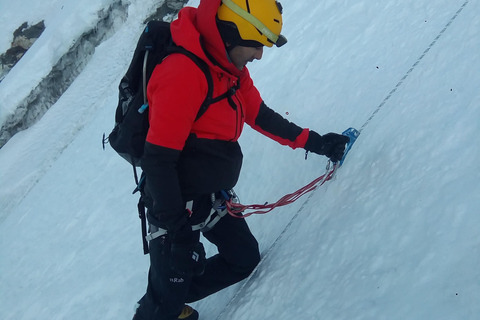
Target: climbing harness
218,211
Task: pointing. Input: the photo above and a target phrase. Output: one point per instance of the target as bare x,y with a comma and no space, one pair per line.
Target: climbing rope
237,210
413,66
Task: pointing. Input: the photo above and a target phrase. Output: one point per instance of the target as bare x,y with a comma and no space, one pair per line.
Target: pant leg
237,257
166,291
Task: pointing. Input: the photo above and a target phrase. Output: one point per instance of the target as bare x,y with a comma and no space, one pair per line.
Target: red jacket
183,157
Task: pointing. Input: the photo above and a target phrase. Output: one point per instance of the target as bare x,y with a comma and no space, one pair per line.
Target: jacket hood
196,30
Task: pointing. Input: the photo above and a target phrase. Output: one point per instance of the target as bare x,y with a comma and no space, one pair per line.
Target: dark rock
23,38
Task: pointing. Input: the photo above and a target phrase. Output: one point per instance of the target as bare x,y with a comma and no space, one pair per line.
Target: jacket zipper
236,107
239,119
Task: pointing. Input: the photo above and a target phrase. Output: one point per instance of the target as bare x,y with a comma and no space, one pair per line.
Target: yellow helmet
256,20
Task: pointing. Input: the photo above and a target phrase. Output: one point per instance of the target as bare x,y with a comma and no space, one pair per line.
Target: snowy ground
395,236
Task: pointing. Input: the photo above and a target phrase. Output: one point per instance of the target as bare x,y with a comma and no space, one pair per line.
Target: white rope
413,66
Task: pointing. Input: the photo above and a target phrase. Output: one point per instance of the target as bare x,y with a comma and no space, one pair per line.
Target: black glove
187,255
331,145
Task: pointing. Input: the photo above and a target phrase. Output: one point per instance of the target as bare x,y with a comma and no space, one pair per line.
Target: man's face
240,56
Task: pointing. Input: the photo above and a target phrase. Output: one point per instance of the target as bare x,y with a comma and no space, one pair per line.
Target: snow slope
394,236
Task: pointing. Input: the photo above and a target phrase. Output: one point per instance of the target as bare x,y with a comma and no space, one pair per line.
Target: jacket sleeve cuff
314,143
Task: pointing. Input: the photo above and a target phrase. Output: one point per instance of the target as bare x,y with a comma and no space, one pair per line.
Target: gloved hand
331,145
187,254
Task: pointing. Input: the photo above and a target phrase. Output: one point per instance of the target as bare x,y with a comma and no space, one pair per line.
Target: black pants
167,292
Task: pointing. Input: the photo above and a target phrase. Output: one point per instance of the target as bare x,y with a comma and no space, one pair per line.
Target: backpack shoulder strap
206,71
